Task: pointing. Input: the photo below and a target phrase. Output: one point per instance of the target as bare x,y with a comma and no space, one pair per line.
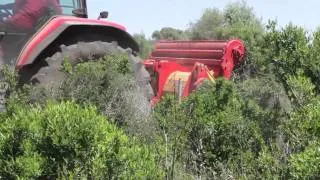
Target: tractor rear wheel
50,73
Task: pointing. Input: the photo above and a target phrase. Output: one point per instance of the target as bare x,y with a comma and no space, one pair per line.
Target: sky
149,15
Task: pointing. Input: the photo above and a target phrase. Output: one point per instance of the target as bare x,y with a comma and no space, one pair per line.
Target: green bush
67,141
108,83
313,64
306,165
303,128
210,132
145,44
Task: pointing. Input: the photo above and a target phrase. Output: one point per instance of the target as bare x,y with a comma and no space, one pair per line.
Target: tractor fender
61,30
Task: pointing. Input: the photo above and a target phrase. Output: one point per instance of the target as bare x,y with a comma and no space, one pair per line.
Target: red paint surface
54,25
199,58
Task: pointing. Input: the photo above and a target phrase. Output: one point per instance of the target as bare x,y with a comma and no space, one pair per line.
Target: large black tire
50,73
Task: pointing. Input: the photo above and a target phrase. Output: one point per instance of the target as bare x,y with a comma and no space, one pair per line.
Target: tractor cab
22,19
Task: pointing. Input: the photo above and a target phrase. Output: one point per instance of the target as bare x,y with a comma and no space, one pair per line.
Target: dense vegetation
263,124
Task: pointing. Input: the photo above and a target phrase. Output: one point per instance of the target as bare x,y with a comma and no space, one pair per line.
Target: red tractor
38,35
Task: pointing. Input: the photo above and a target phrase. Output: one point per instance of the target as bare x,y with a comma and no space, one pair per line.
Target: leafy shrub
145,44
287,46
306,165
303,90
303,128
108,83
67,141
268,101
209,131
313,64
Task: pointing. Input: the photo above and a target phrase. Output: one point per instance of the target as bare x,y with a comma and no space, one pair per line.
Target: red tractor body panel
51,30
179,67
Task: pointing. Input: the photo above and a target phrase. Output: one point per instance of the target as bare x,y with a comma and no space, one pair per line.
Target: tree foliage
236,20
145,44
169,33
